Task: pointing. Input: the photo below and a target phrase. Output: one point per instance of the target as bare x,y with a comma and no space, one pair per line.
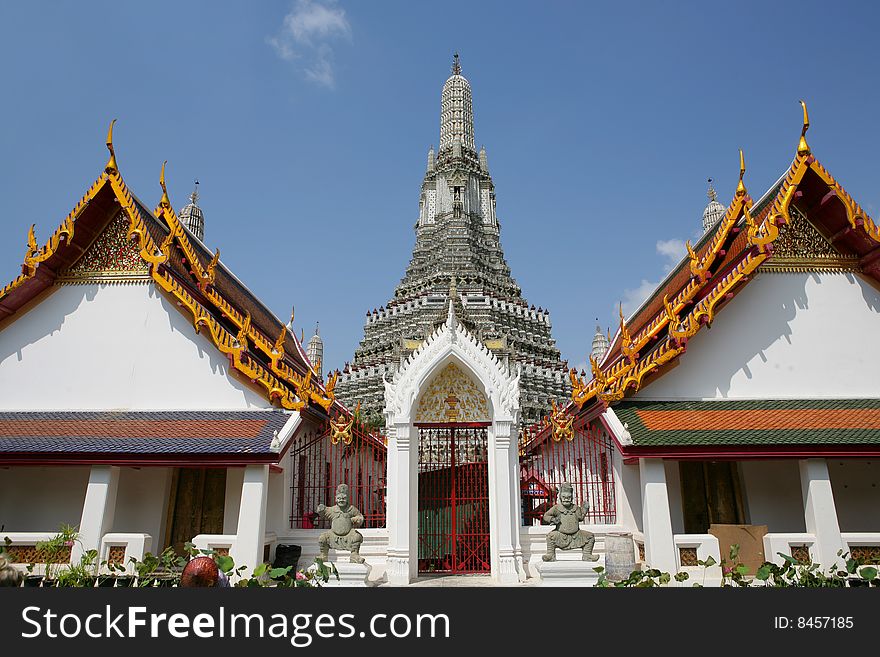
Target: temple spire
191,214
714,210
456,111
315,352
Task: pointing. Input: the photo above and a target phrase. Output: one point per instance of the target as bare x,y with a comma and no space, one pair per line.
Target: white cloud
632,298
672,251
305,37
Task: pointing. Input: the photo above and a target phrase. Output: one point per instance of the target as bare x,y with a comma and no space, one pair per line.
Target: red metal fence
318,466
453,512
584,461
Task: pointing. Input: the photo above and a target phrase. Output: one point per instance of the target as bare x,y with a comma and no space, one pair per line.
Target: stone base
350,574
569,569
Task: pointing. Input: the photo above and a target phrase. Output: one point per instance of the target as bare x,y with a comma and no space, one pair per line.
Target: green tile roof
790,422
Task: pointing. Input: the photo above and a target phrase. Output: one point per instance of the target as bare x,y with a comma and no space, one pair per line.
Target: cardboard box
750,539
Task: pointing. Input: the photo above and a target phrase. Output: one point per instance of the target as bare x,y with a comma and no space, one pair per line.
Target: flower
300,575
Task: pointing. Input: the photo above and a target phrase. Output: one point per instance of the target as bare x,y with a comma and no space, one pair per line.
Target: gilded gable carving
112,256
452,396
801,247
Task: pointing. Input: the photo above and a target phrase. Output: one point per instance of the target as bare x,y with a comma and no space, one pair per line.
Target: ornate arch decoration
452,343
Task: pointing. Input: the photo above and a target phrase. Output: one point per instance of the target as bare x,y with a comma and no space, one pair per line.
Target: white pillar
656,519
249,539
820,514
627,494
402,507
504,506
99,508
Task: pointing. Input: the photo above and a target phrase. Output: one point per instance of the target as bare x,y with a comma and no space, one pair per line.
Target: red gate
453,498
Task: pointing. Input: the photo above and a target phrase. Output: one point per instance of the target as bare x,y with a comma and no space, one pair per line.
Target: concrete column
251,532
504,506
820,514
98,510
402,500
627,494
656,519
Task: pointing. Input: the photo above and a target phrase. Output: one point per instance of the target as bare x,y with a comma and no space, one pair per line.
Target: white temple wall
856,487
142,503
772,495
112,346
232,503
41,499
785,336
275,519
673,489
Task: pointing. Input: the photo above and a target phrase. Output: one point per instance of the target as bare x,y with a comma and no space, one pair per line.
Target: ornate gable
452,341
801,247
453,397
111,257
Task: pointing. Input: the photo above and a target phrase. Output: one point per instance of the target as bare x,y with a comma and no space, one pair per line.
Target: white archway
453,343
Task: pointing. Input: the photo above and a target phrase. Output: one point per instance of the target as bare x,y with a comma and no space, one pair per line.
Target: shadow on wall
14,337
117,334
756,319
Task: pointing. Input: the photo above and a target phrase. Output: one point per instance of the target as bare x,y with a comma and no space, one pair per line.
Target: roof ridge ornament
803,146
451,319
740,187
165,202
111,166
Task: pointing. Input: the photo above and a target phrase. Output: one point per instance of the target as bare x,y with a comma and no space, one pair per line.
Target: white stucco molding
621,431
452,342
279,440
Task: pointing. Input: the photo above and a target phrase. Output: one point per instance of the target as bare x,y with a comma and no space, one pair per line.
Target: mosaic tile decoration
112,254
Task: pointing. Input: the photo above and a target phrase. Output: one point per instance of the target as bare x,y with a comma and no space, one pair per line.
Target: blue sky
307,124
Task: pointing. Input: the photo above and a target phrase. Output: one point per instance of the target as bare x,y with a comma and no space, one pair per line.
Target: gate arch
453,344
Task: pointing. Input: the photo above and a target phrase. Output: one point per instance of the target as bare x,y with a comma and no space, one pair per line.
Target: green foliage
794,573
264,575
733,572
641,579
55,550
81,574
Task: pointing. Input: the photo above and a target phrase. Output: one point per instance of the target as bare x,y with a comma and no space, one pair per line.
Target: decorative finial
292,313
111,163
803,147
164,202
740,187
456,66
451,319
194,197
317,328
711,192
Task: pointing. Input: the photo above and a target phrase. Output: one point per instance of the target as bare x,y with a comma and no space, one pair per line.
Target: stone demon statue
342,534
568,535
